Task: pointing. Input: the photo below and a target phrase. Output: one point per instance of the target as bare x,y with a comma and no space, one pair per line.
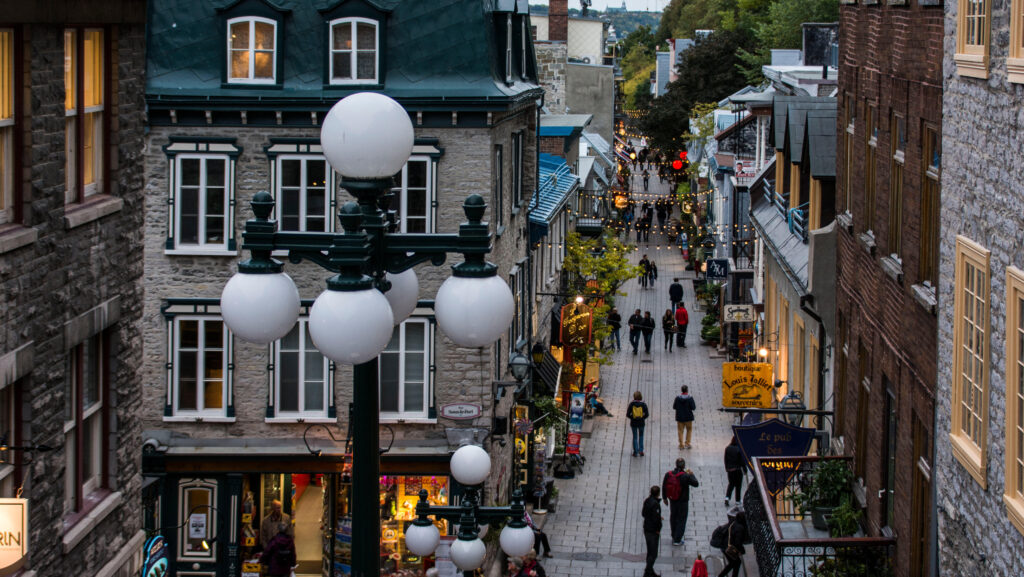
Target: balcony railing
787,545
796,218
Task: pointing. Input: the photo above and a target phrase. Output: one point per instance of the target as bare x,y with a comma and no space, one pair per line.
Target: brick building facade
890,94
979,468
71,137
239,444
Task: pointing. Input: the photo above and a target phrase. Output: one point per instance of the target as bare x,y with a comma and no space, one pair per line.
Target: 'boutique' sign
13,534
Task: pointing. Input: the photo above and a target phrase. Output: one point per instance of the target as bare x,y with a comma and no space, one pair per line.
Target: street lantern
367,138
519,365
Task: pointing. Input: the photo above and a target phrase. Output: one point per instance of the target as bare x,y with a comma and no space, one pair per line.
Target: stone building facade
978,463
71,218
249,435
889,116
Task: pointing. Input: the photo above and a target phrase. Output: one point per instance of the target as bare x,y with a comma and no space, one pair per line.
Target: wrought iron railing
779,555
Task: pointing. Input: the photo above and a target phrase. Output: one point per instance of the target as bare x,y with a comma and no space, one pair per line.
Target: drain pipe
806,302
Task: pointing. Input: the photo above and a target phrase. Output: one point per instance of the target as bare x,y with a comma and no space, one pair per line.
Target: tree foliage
637,63
782,28
707,72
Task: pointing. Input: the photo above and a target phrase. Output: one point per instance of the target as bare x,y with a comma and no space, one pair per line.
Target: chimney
558,20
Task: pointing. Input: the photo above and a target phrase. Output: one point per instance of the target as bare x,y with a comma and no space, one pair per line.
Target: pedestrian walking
273,523
637,414
647,329
639,229
676,490
652,273
645,269
682,322
647,179
668,327
735,467
540,538
684,406
279,555
675,293
615,323
700,568
635,325
652,528
731,538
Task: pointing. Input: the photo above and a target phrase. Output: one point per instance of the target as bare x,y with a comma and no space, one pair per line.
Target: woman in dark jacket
668,326
736,536
652,528
279,556
734,469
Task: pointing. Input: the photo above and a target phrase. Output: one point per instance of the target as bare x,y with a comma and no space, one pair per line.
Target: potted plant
822,491
845,519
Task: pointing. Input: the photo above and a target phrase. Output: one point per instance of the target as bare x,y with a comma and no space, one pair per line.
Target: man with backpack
676,493
682,321
637,414
279,556
684,406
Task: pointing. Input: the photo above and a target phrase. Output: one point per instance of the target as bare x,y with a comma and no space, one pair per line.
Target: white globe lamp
422,537
367,136
471,465
516,539
351,327
468,555
260,308
404,294
474,312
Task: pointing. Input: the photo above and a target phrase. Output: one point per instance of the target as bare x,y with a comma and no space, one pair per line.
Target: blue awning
557,182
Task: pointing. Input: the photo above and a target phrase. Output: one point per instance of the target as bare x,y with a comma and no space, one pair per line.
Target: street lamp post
470,466
367,138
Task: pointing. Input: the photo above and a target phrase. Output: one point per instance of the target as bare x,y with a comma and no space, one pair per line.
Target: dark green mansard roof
439,54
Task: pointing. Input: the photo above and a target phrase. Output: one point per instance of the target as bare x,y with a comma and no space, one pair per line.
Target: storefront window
199,518
398,498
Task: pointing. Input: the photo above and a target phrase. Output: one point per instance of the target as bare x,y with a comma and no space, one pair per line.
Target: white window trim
328,384
428,374
403,187
329,189
251,78
353,22
229,183
201,414
211,520
508,49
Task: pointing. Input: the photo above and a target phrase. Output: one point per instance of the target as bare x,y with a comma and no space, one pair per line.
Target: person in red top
682,321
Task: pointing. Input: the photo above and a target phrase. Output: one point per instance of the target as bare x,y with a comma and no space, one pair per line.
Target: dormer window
508,49
252,50
355,49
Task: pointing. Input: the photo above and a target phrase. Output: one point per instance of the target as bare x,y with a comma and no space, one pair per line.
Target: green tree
637,62
597,269
782,28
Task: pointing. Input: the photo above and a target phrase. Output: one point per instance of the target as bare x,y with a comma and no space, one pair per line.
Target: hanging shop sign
621,201
577,324
772,441
572,444
746,385
461,411
576,412
13,534
718,268
738,313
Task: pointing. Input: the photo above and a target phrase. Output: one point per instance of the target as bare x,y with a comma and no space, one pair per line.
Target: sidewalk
597,529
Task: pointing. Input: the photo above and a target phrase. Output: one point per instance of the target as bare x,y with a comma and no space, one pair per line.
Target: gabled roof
441,49
780,110
795,129
820,142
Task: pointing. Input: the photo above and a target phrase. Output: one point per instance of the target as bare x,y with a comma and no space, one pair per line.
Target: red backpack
673,487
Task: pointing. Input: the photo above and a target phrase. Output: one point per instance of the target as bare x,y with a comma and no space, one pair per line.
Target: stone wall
889,57
462,375
551,73
81,275
981,200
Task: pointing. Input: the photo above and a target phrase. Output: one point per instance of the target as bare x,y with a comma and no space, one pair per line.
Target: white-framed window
414,194
7,101
302,376
523,35
1013,487
508,48
252,50
201,200
405,371
197,519
85,424
85,73
498,198
973,34
517,169
355,46
200,366
304,188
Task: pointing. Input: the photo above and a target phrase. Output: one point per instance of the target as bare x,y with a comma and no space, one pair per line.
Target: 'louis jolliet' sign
13,534
577,324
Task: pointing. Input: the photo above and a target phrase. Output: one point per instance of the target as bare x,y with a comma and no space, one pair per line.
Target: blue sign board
155,564
718,269
576,412
774,438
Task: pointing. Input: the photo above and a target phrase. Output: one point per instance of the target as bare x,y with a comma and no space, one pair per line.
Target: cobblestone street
597,529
